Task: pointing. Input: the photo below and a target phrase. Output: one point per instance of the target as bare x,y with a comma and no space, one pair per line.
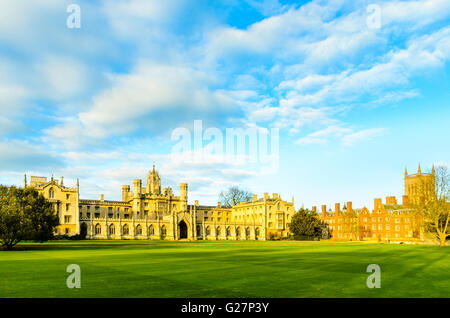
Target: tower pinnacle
419,171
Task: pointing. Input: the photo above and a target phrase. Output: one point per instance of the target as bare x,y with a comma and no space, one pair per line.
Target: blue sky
354,104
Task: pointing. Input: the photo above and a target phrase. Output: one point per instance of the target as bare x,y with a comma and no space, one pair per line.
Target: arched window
247,233
228,232
163,232
51,193
238,233
138,230
125,229
257,233
151,230
208,231
112,229
98,229
217,232
199,230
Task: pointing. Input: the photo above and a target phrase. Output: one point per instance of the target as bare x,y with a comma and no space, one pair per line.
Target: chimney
61,181
405,201
219,204
102,197
324,210
349,206
376,204
314,209
337,208
255,198
266,195
275,195
196,203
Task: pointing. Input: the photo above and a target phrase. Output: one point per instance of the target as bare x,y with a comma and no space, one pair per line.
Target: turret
125,192
61,181
183,191
137,188
153,182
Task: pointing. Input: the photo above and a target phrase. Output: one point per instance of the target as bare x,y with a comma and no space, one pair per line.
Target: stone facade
151,213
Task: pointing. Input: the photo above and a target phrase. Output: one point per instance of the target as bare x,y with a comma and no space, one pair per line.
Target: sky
350,92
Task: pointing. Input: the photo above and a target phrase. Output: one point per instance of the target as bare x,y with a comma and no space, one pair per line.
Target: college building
389,221
150,212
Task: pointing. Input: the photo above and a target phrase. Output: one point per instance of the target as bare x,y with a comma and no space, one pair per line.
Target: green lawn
224,269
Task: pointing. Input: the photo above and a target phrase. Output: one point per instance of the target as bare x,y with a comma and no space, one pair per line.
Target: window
151,230
67,196
138,230
388,227
88,215
67,231
66,219
397,227
98,229
380,227
67,206
163,231
125,229
51,193
397,220
388,219
112,229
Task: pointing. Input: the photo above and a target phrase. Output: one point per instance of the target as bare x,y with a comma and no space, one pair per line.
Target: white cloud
346,136
153,98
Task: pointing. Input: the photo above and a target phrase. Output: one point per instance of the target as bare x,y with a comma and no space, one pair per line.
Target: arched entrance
182,229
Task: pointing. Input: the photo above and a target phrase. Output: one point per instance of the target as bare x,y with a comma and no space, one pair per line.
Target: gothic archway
182,230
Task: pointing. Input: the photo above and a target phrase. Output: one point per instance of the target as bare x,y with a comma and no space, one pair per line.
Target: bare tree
436,207
233,196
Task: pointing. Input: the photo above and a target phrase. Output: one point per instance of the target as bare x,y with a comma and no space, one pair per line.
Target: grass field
224,269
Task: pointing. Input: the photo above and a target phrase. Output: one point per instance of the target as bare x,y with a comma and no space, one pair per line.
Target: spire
406,172
78,183
418,171
432,170
153,166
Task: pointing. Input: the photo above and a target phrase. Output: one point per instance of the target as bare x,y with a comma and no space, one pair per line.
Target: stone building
153,213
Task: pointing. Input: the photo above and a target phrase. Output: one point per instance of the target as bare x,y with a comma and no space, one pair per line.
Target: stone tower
419,186
153,182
